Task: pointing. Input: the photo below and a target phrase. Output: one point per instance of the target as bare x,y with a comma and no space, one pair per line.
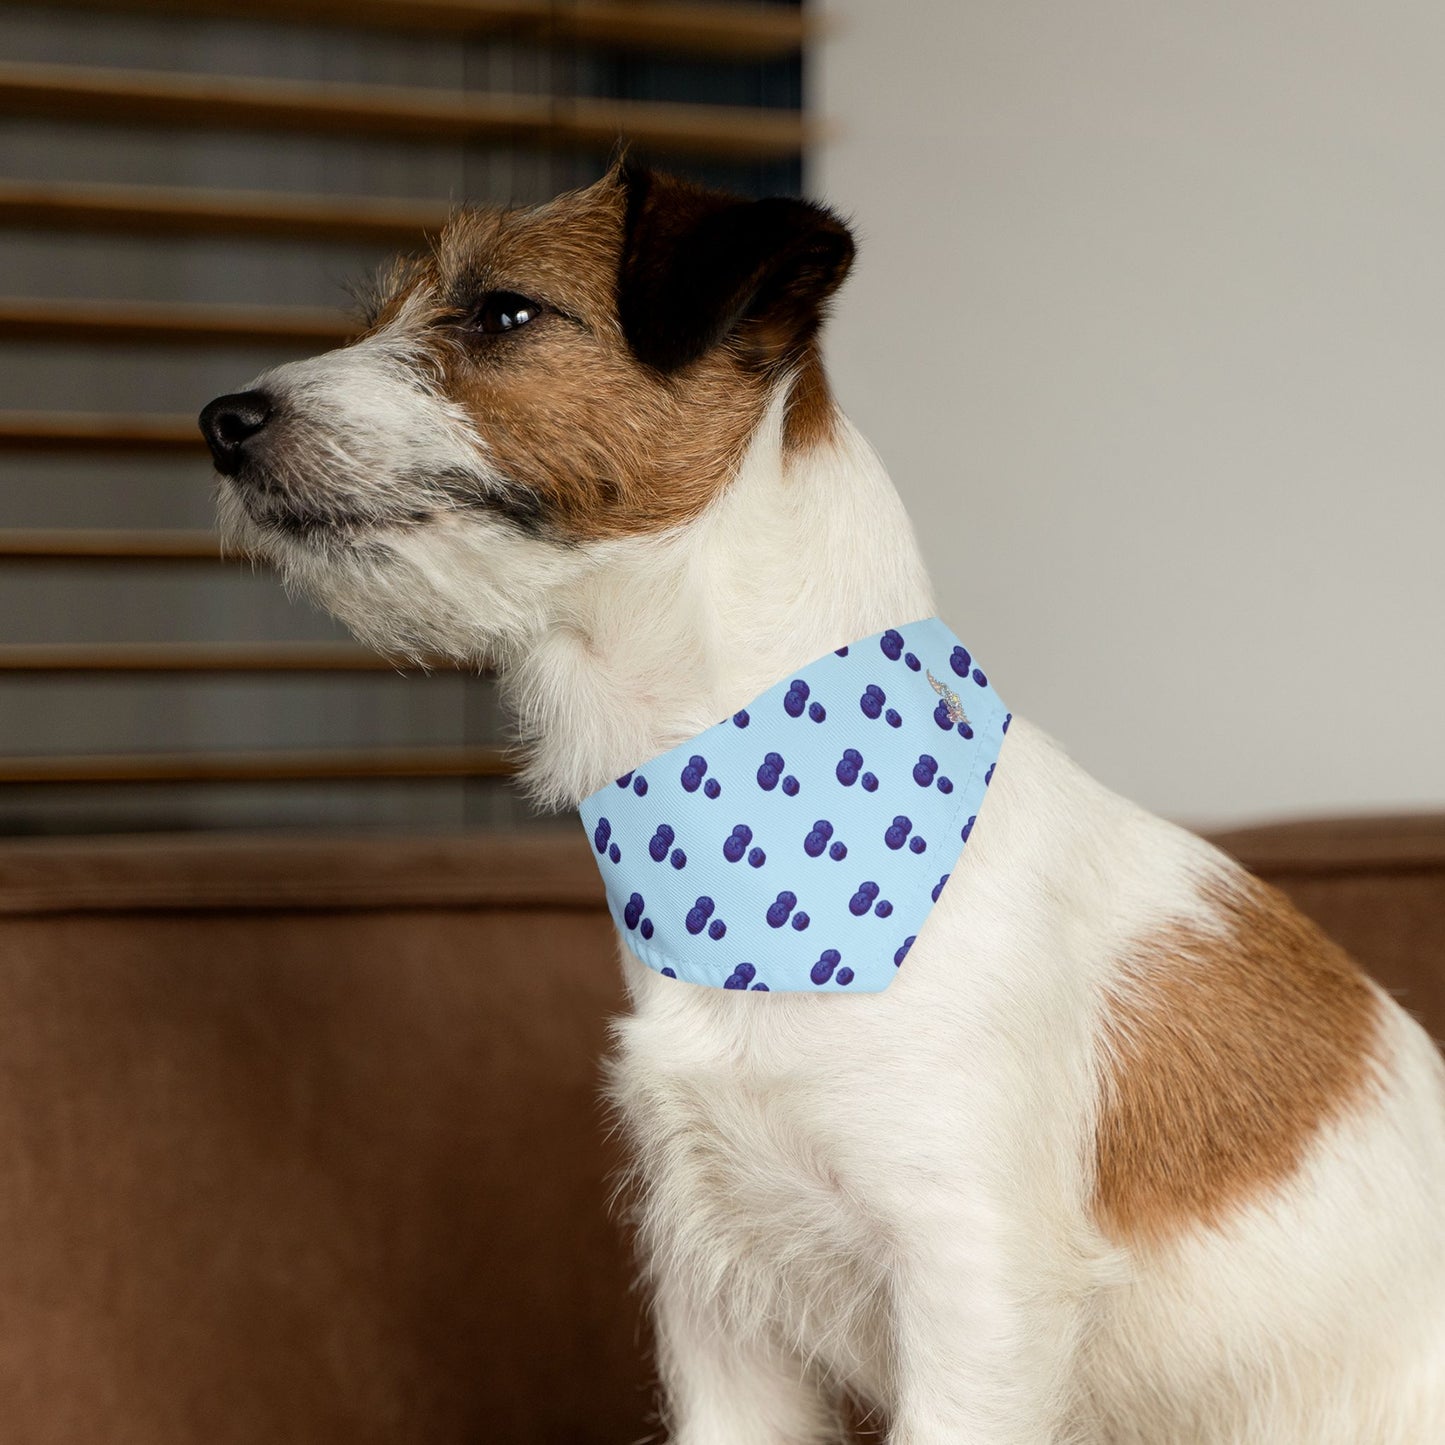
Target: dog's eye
504,311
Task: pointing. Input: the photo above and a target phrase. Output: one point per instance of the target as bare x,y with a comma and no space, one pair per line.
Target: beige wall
1149,324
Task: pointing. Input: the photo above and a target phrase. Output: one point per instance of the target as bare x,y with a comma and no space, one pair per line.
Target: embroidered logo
951,700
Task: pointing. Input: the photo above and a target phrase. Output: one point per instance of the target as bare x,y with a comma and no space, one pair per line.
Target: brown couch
302,1140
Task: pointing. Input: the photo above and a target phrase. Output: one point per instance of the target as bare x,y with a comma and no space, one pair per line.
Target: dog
1126,1151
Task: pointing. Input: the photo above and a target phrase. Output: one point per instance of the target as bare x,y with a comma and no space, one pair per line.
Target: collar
800,844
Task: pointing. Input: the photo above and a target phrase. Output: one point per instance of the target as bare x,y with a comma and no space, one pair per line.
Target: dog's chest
753,1170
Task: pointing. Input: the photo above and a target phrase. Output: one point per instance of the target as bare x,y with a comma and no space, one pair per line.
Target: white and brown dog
1128,1153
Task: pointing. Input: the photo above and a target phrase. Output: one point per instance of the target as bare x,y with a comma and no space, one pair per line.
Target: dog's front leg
985,1339
723,1387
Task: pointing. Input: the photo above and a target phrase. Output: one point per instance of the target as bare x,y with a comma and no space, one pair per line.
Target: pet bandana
800,844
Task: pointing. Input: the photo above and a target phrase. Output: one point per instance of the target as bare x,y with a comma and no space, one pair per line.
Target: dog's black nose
229,422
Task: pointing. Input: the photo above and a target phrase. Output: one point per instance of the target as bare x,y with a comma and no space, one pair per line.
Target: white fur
890,1195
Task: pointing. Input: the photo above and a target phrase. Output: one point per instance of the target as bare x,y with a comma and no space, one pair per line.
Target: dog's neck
802,553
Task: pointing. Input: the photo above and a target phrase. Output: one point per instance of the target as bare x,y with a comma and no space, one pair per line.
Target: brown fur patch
1227,1052
812,414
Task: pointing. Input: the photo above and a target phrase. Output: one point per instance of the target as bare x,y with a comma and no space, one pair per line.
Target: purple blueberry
845,976
1008,717
912,661
790,786
852,755
733,849
892,719
902,820
967,828
623,781
960,662
942,716
615,853
871,705
601,834
801,688
741,718
639,786
699,762
892,644
661,842
903,949
632,914
741,977
757,858
945,785
814,844
859,904
917,845
847,773
841,651
988,776
760,988
793,704
922,776
870,783
838,852
741,830
964,730
775,761
696,920
979,678
823,826
938,887
691,779
800,920
669,973
679,858
869,890
767,777
816,711
895,838
929,761
647,931
883,908
822,971
716,929
778,912
712,788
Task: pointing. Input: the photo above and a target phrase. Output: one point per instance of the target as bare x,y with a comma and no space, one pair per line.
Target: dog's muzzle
230,423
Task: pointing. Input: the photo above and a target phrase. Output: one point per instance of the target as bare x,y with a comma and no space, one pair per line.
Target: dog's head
544,384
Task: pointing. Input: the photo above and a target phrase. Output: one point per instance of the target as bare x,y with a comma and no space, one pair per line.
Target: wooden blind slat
171,323
218,102
78,431
82,544
172,211
271,766
755,32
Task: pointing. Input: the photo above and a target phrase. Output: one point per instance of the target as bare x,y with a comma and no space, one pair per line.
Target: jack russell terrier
956,1086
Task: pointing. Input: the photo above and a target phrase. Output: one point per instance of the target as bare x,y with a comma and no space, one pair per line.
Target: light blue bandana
800,844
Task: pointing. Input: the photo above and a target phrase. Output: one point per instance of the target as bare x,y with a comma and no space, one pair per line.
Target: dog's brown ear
699,266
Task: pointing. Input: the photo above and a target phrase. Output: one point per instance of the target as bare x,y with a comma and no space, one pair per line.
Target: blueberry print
1008,718
699,913
988,776
779,910
871,868
671,973
827,962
